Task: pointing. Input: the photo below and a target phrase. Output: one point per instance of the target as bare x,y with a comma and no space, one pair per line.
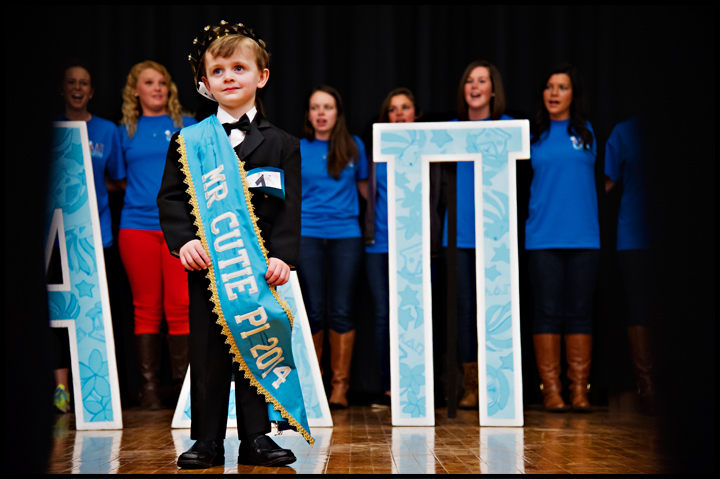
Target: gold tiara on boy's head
211,34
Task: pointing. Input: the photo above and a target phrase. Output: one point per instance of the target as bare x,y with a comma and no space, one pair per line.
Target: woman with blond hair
151,114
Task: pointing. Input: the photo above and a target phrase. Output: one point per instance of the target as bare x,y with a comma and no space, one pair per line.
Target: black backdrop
367,51
659,61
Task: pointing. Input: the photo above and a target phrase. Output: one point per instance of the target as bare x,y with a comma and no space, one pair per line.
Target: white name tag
267,179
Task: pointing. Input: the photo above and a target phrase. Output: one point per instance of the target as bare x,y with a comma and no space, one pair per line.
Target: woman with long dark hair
480,97
151,114
334,168
563,236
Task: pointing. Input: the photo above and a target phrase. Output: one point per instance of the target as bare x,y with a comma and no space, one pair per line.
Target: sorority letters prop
255,319
308,368
77,286
493,146
316,404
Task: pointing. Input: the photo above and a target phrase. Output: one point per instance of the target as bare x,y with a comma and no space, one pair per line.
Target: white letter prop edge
313,391
81,302
408,148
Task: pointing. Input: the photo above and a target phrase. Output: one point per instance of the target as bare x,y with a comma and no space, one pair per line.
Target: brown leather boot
470,383
179,359
147,347
318,339
642,351
341,348
578,351
547,357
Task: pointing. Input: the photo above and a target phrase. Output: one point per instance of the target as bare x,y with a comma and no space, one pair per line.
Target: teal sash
255,319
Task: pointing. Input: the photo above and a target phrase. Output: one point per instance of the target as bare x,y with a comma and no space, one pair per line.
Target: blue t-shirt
105,153
330,207
563,195
624,158
466,201
143,163
381,211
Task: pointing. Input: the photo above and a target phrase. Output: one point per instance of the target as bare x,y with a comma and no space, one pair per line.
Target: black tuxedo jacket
278,219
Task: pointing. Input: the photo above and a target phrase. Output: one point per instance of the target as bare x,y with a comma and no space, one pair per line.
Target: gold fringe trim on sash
251,210
237,357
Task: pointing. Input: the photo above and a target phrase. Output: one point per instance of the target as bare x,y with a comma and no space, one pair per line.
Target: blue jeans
563,285
328,270
377,273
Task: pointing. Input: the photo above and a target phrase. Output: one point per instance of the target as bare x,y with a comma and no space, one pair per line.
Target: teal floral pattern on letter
82,300
408,145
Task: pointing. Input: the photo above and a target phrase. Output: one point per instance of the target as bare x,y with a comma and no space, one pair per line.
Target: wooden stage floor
364,442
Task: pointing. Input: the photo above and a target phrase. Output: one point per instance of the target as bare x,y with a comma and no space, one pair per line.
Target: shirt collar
225,117
236,136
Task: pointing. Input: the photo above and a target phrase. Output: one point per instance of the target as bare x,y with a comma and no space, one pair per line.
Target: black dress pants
211,368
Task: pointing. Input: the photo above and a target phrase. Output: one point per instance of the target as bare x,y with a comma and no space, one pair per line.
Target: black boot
147,347
643,356
263,451
179,359
203,455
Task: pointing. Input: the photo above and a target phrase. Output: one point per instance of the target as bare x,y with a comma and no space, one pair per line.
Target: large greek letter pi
408,149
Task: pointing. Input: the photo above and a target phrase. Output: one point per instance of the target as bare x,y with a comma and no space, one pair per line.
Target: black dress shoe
203,455
263,451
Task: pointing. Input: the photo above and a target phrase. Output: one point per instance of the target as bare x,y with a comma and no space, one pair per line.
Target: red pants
158,281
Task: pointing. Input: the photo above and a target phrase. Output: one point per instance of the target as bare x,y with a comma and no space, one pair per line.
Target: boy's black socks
251,437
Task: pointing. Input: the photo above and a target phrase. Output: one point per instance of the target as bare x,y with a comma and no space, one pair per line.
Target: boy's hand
278,272
193,256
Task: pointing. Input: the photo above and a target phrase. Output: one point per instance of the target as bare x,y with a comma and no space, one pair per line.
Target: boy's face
234,81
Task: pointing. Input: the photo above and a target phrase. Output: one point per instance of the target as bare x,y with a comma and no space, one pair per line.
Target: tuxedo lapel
253,138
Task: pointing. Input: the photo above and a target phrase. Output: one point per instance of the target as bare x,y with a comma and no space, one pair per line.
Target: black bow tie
242,124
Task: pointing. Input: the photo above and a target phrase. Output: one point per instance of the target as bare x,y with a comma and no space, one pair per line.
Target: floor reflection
412,450
364,441
501,450
96,452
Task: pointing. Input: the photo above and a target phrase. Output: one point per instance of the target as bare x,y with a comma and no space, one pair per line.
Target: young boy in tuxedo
229,67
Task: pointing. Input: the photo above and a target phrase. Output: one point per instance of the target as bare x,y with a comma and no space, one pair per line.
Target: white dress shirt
236,136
